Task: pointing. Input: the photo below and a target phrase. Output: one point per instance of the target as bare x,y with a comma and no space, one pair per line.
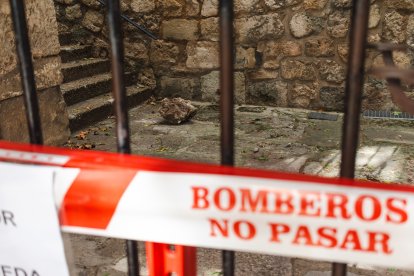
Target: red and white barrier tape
175,202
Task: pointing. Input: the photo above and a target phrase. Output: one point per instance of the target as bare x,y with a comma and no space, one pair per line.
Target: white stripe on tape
279,217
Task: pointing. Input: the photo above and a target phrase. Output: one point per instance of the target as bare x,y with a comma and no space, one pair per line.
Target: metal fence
354,87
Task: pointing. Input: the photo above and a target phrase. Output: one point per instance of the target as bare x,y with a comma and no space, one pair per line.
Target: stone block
375,96
187,88
245,58
320,47
278,4
125,5
171,8
142,6
73,12
268,92
47,74
66,2
331,71
342,50
209,8
180,29
273,51
54,118
314,4
93,21
374,16
401,59
262,74
163,54
410,32
42,24
91,3
8,57
210,87
261,27
332,98
302,95
407,5
136,51
300,25
292,69
192,7
41,21
290,48
343,4
202,55
246,6
338,24
210,29
373,37
394,27
146,77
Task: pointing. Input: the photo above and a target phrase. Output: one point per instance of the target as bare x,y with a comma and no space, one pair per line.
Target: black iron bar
227,103
353,96
26,71
121,110
133,23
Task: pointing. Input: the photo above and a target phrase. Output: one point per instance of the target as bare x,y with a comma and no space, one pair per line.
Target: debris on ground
177,110
84,146
82,135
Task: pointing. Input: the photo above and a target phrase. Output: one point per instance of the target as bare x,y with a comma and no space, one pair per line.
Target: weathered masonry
288,53
45,48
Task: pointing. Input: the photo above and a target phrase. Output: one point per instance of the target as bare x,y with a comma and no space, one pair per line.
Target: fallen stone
177,110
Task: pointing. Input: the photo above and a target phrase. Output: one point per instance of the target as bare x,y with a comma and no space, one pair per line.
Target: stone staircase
87,84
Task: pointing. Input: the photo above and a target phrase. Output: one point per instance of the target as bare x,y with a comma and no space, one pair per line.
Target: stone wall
45,48
289,53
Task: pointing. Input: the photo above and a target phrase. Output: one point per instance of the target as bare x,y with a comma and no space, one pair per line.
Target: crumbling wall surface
288,52
45,50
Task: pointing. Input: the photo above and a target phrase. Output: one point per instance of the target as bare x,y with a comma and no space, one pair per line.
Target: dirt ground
267,138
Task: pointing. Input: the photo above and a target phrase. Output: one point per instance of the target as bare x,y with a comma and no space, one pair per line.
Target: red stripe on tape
111,161
93,197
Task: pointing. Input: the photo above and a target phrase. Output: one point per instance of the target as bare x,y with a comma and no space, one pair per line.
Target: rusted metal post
121,110
353,96
26,71
227,102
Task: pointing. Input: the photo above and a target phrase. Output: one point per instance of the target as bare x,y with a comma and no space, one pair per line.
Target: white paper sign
30,238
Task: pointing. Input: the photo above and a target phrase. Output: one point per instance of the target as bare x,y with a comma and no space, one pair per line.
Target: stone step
68,38
70,53
86,88
78,69
99,108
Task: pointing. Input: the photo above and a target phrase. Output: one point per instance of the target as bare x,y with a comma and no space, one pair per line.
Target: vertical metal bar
26,71
121,111
353,96
227,103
